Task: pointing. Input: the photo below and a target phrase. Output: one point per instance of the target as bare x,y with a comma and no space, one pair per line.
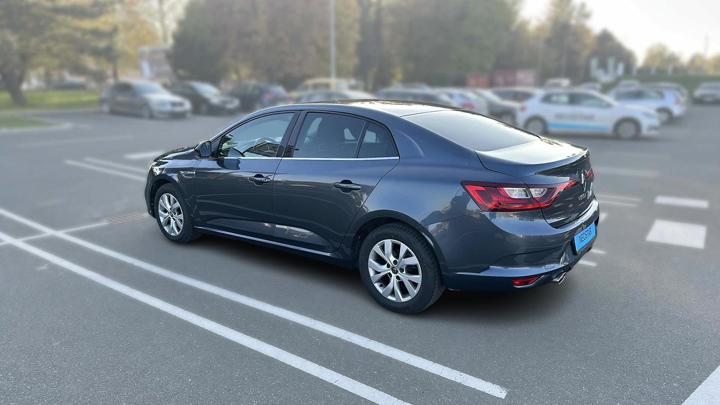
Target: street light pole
332,44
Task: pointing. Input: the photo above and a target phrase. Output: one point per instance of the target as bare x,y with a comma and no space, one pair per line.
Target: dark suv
417,197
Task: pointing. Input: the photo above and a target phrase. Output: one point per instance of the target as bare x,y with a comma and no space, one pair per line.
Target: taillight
500,197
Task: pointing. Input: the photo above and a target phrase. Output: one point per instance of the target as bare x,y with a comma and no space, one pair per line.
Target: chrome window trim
294,158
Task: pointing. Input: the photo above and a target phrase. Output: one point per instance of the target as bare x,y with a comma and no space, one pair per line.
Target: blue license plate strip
584,237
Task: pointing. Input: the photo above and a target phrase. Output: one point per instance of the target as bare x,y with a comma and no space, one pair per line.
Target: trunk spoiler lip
551,154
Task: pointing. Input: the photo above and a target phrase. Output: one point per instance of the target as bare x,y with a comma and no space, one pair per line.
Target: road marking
682,202
74,141
603,217
708,392
587,263
618,197
67,230
677,233
116,165
105,170
617,203
359,340
316,370
598,251
620,171
143,155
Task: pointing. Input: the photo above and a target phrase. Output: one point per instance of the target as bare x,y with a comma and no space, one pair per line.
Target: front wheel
664,115
399,269
146,112
173,216
627,129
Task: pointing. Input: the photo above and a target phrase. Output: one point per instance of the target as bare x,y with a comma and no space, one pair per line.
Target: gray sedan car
144,98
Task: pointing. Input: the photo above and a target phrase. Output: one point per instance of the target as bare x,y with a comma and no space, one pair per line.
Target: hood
182,152
532,157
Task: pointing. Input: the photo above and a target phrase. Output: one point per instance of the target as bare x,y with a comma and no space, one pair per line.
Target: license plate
584,237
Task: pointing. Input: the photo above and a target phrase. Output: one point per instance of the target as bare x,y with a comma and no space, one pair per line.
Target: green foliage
52,100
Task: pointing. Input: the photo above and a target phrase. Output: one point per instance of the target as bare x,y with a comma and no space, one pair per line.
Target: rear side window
471,131
328,136
377,142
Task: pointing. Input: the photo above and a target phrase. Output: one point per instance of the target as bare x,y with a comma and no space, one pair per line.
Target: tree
699,64
566,40
659,56
51,34
608,47
441,42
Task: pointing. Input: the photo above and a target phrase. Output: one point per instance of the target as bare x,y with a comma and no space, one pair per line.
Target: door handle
259,179
347,186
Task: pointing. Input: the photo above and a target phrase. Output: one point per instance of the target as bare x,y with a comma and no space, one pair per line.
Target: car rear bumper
531,263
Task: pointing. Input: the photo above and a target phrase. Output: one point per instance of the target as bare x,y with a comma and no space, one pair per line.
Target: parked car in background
465,99
585,112
517,94
669,86
419,96
504,110
70,84
417,198
144,98
256,95
410,85
327,83
557,83
625,84
205,98
708,92
667,103
332,95
594,86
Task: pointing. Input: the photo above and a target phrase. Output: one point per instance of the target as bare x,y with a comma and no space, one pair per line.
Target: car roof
395,108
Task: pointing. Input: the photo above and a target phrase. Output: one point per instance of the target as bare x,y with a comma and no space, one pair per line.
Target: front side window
259,137
377,142
328,136
589,100
557,98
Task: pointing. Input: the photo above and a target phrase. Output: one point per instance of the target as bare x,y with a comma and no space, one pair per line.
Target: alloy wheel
394,270
170,214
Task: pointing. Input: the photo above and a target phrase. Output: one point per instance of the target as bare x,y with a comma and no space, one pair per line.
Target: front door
336,162
233,189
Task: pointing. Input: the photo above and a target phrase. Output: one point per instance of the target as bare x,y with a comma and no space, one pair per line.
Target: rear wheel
173,216
399,269
627,129
536,126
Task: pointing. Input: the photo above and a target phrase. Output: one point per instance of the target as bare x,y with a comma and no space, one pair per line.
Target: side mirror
204,149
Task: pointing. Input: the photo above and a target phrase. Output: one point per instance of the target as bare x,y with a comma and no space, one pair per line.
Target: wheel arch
374,220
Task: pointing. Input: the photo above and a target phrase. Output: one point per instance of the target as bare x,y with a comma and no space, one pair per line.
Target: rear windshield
471,131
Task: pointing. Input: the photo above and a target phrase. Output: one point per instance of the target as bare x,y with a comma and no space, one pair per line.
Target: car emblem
582,178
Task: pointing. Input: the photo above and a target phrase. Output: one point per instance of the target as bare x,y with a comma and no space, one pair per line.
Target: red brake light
504,198
524,282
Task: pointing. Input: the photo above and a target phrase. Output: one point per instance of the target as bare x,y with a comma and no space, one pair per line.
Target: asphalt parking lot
98,307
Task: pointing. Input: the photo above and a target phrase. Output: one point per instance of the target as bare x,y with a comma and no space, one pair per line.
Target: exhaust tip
558,279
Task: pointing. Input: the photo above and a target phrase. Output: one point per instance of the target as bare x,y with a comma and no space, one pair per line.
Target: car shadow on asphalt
510,307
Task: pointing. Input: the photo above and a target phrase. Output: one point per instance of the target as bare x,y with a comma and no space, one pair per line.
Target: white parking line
316,370
587,262
598,251
708,392
682,202
143,155
105,170
677,233
74,141
617,203
359,340
618,197
621,171
116,165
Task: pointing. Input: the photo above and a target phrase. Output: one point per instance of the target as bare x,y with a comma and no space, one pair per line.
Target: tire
665,115
203,109
146,112
187,232
536,125
627,129
105,106
399,277
507,118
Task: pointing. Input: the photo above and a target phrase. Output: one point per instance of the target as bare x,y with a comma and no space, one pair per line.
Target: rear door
333,164
233,189
594,114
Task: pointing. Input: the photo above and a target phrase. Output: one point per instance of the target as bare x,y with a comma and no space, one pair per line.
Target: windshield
206,89
150,88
